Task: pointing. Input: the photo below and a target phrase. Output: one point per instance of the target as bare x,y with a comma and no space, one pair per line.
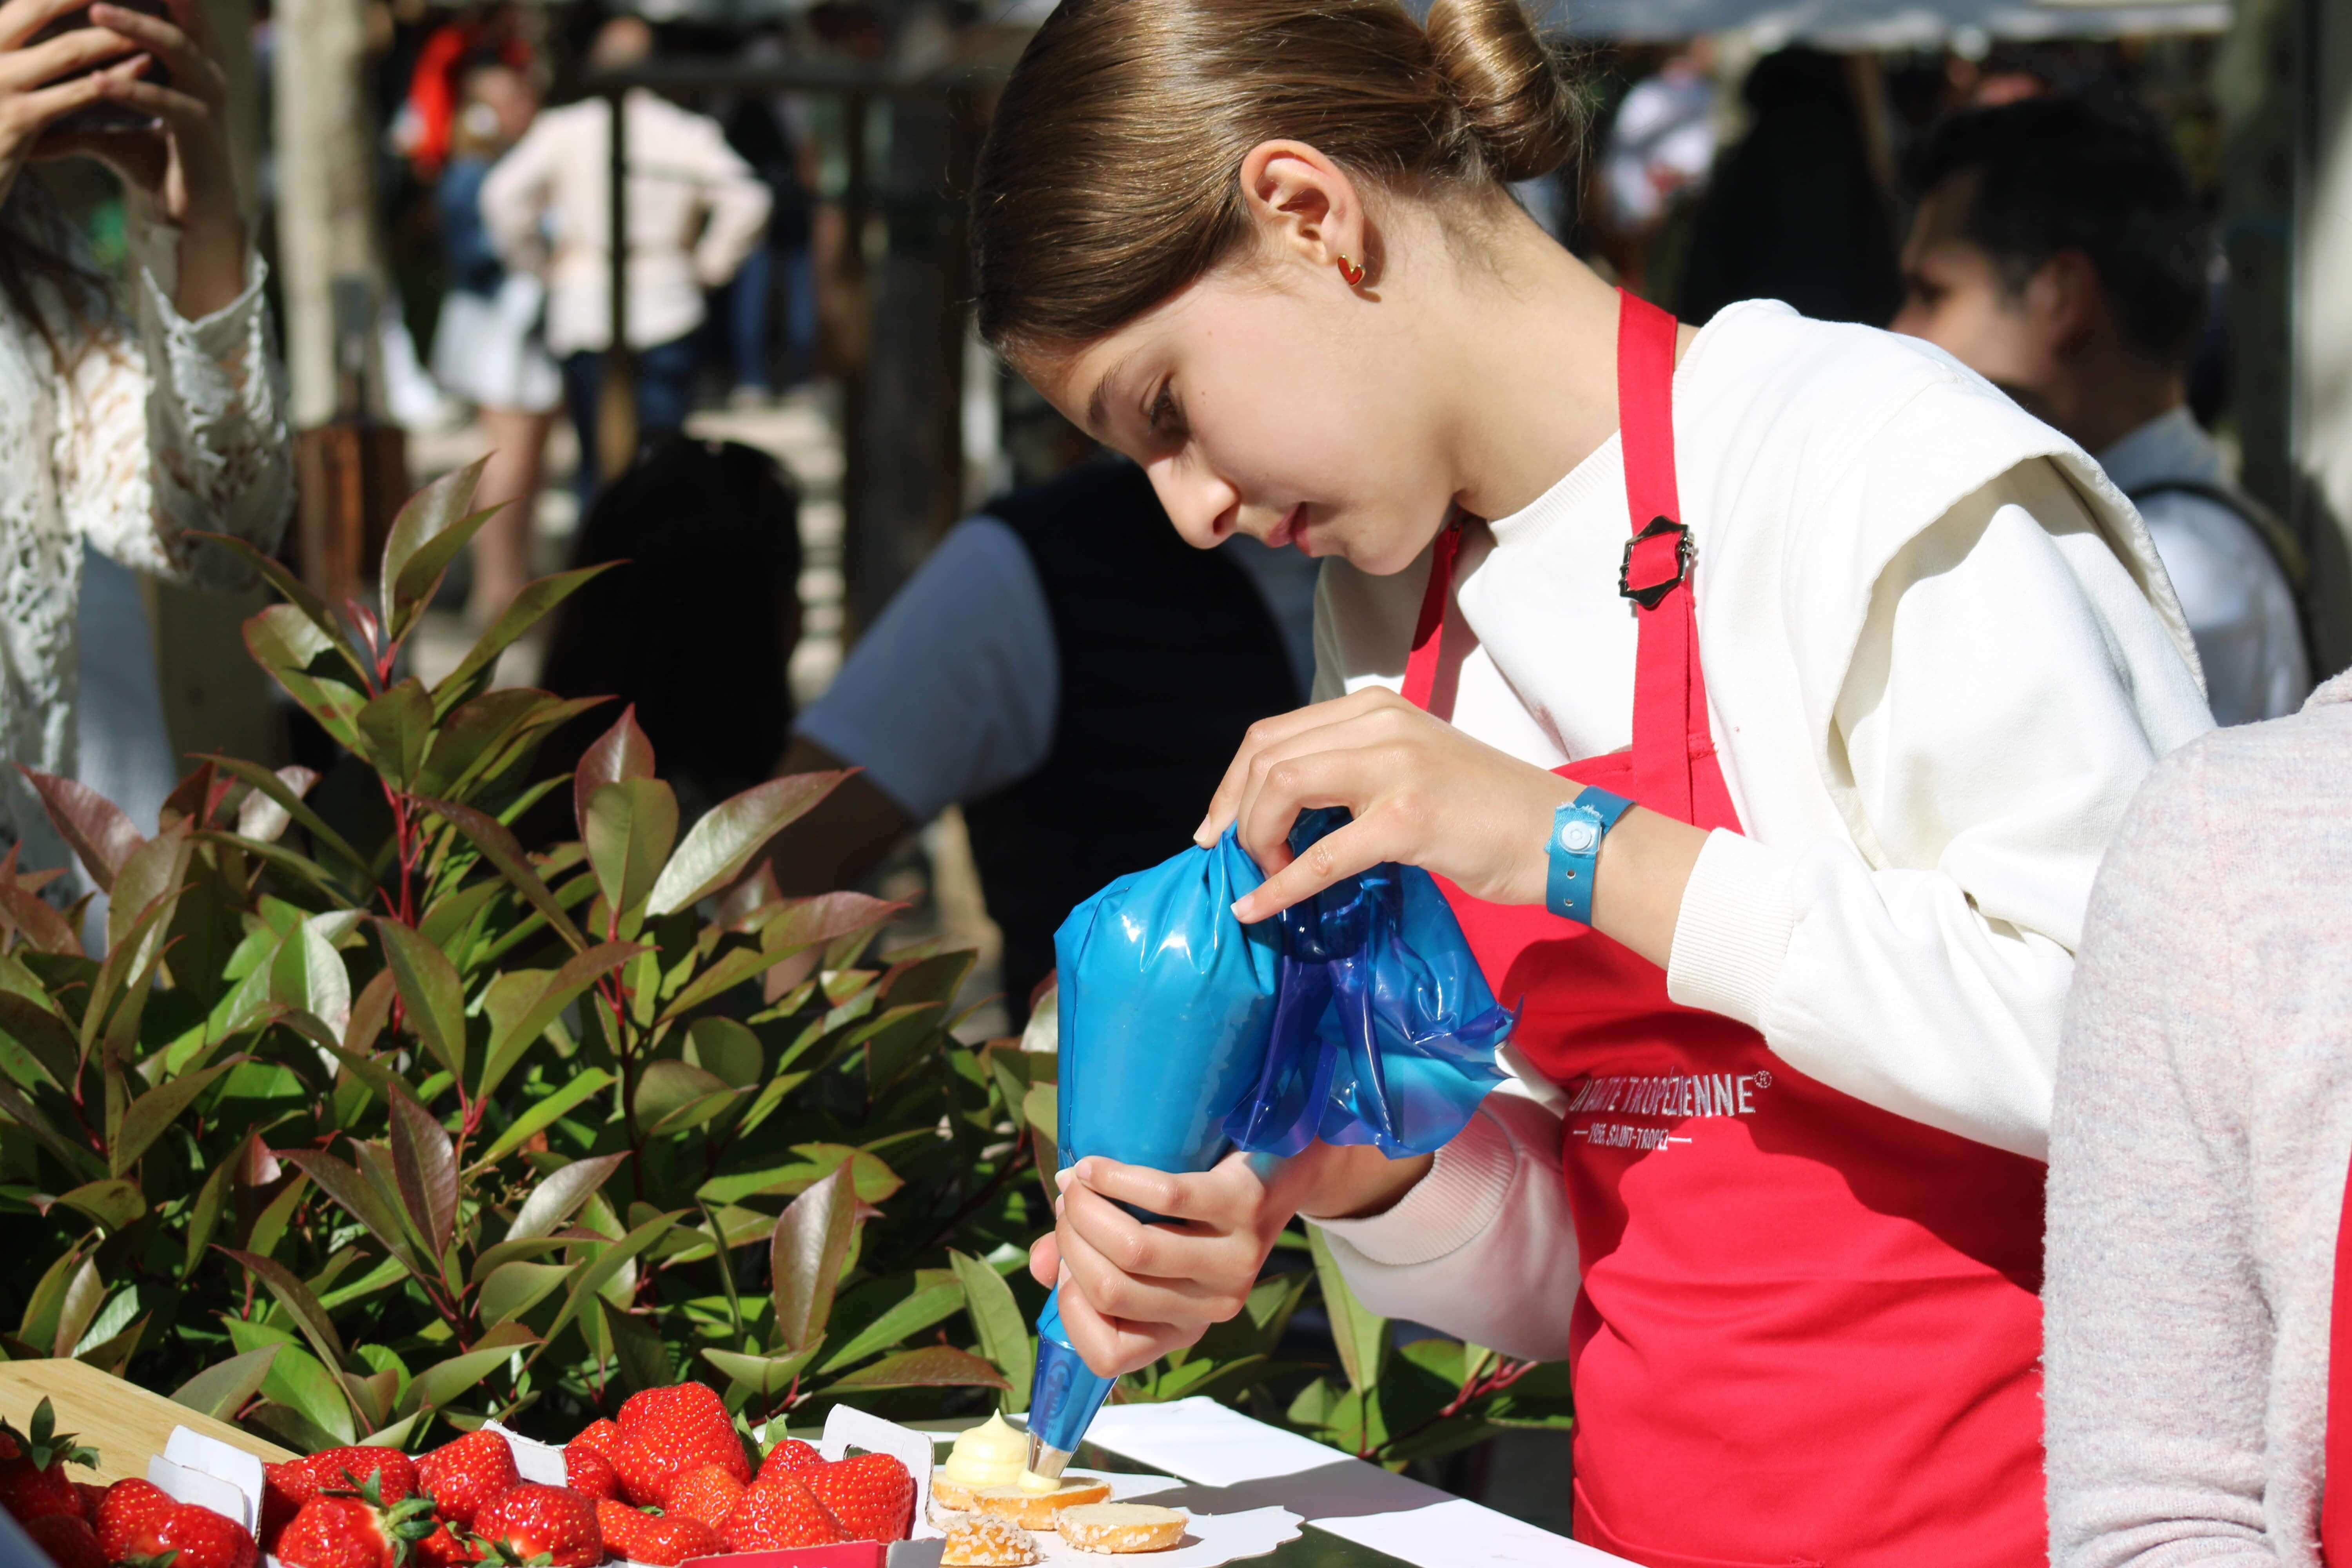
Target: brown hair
1110,177
41,278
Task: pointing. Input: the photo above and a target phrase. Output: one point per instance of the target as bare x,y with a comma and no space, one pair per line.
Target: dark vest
1168,656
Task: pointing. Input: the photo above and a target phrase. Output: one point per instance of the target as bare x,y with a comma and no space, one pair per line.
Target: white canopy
1883,24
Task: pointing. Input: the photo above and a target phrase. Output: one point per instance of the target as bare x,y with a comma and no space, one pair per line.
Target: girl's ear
1303,205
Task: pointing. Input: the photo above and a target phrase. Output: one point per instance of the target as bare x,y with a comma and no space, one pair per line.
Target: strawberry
872,1495
67,1539
188,1536
461,1476
707,1494
644,1403
345,1527
602,1436
670,1540
530,1522
666,1432
287,1487
618,1523
790,1456
444,1549
90,1494
586,1470
129,1510
778,1514
33,1480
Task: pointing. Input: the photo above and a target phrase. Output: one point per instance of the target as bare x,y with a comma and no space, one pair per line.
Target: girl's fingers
20,19
34,112
1211,1198
1141,1298
191,71
1356,847
23,70
182,114
1045,1260
1112,1346
1280,730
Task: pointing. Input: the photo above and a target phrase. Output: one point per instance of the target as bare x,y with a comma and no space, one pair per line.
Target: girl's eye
1166,422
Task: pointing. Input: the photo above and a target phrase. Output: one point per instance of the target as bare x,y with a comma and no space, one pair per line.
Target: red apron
2336,1453
1810,1330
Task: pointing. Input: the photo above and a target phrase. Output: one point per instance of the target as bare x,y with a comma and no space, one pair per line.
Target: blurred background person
760,130
2058,251
1071,672
1661,144
125,423
490,346
1795,211
696,210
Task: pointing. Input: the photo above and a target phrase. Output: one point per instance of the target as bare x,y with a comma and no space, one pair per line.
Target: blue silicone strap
1573,848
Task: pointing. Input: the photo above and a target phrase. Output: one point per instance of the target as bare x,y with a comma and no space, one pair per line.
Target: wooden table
123,1422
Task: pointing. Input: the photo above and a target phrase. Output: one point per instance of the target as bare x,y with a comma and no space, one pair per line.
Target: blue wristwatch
1573,849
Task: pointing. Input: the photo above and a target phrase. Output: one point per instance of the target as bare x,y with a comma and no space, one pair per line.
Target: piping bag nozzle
1063,1396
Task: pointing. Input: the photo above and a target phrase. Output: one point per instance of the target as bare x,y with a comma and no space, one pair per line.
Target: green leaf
766,1376
307,973
223,1389
631,826
394,729
722,843
154,1111
542,1114
275,787
524,611
723,1047
285,642
805,1255
997,1318
636,1344
875,1180
146,882
203,1214
438,1385
514,1288
85,1293
933,1366
430,993
308,1315
424,538
674,1098
427,1168
620,753
304,600
925,1305
499,848
1361,1334
117,1205
559,1192
591,1277
43,1034
515,1032
298,1382
46,1306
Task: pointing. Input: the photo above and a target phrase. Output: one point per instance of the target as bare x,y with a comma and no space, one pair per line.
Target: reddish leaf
43,926
620,753
427,1168
804,1258
932,1366
727,836
92,826
500,849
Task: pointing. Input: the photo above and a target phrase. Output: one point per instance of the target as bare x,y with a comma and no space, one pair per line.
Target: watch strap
1573,850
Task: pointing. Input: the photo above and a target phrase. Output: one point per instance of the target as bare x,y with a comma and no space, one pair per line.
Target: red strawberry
791,1457
287,1487
644,1403
188,1536
602,1436
708,1494
668,1431
872,1495
619,1524
461,1476
671,1539
444,1549
344,1526
33,1480
551,1524
778,1514
67,1539
586,1470
130,1510
90,1494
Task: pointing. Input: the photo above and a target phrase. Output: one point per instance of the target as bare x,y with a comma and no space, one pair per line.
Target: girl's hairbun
1514,94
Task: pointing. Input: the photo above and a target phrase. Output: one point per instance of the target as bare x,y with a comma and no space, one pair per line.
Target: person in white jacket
1763,695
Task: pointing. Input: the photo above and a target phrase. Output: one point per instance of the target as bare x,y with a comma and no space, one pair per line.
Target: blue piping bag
1361,1016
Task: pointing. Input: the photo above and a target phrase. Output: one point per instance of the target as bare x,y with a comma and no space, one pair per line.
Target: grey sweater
2198,1155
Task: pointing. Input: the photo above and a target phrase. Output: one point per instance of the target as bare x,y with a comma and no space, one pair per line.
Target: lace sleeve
166,425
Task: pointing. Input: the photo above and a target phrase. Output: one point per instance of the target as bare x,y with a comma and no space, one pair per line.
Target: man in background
696,210
2058,251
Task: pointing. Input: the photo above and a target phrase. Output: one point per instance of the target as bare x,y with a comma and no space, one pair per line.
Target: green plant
366,1117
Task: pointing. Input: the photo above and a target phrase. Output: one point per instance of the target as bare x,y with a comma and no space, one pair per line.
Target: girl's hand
42,83
1422,791
1141,1291
181,162
1426,794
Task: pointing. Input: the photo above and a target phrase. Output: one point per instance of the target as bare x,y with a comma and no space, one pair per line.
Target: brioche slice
985,1543
1121,1527
947,1492
1038,1511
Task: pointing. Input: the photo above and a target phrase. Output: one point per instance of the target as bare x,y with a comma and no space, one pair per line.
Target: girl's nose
1200,505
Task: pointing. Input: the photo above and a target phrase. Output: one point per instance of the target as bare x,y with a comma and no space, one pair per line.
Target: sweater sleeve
2159,1336
738,205
1483,1247
1928,978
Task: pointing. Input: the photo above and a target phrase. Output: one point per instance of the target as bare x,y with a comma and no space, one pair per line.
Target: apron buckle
1649,594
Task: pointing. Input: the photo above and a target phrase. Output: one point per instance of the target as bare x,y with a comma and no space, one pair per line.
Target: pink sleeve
1483,1247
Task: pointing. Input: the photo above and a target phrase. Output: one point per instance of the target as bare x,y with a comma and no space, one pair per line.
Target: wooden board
125,1423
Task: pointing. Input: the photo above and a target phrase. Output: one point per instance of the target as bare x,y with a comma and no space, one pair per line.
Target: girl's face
1270,398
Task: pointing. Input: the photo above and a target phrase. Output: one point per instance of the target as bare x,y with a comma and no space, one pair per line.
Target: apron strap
2336,1473
1670,724
1669,703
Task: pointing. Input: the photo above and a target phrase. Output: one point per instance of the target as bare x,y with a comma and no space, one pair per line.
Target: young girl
1878,659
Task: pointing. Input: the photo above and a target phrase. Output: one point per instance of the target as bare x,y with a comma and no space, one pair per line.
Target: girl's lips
1287,530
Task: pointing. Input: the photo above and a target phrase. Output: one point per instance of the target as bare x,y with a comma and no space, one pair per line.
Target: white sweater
1940,656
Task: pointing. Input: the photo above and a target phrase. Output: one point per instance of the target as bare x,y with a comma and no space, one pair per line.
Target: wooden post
2323,324
617,383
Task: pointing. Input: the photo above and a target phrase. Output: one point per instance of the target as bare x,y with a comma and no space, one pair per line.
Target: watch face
1579,837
